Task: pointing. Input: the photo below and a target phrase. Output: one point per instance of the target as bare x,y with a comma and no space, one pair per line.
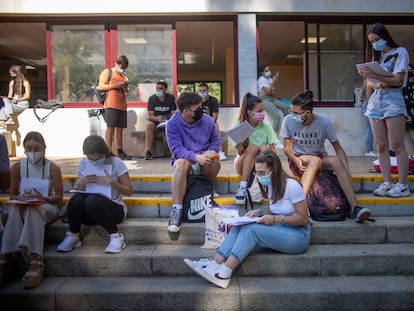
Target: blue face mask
202,95
120,70
379,45
267,74
159,93
98,162
264,180
296,118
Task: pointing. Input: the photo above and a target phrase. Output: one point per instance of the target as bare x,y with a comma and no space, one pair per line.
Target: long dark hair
380,30
18,80
278,176
95,144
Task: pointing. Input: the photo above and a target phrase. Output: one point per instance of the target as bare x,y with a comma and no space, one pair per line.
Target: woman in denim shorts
386,108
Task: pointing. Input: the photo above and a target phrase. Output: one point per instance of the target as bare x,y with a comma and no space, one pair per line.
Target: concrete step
154,231
357,293
167,260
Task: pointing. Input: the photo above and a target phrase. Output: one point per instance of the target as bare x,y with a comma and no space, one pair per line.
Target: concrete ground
161,166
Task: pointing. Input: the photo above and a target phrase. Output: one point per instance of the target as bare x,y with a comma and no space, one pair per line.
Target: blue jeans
279,237
368,130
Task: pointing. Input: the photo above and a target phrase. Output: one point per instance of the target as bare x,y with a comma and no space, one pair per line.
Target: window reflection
78,59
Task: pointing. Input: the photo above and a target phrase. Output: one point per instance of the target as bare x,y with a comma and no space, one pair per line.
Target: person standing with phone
116,104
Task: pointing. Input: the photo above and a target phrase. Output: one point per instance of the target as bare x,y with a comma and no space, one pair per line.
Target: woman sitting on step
283,226
102,179
37,188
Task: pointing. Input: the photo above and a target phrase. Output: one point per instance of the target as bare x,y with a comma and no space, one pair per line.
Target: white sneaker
241,196
371,154
116,243
203,262
382,190
222,156
398,191
70,242
212,273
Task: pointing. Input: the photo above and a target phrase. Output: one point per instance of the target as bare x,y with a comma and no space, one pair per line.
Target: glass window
341,47
78,59
149,51
214,88
281,49
205,52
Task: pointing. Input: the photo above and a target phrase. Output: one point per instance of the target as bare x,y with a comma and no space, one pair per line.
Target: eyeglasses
296,113
262,173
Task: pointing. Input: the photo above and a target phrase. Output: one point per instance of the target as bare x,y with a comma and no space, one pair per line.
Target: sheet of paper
375,68
241,133
33,202
33,185
162,124
98,170
239,221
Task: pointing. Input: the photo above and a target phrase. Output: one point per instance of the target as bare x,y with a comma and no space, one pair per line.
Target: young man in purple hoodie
194,142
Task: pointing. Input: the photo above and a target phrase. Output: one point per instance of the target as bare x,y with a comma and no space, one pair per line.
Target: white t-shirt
308,139
263,82
118,169
395,61
293,194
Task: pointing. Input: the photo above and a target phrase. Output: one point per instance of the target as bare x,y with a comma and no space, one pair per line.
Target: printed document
241,133
239,221
376,68
98,170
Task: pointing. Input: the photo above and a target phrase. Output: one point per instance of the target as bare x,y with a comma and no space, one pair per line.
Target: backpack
326,199
51,104
101,95
198,196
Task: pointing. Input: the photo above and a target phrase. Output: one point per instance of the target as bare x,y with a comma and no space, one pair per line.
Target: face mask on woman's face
259,116
98,162
267,74
34,157
379,45
198,114
264,180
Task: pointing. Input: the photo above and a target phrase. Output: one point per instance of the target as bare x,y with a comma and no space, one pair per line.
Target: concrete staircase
348,266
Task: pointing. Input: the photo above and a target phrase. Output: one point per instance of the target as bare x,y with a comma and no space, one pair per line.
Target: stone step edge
193,292
236,178
164,199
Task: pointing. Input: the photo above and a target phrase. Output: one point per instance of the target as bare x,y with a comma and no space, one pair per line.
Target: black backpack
101,95
198,196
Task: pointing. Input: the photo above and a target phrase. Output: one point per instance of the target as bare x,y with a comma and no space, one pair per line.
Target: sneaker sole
364,216
400,195
117,251
173,235
212,279
79,244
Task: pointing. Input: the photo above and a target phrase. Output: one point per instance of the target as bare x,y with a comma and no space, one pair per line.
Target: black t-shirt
162,108
210,106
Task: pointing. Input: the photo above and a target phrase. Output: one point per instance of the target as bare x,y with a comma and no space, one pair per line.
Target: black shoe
360,214
148,155
123,156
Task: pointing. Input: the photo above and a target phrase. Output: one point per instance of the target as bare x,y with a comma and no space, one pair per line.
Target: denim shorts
386,103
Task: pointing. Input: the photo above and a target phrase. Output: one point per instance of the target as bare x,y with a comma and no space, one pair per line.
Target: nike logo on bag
198,206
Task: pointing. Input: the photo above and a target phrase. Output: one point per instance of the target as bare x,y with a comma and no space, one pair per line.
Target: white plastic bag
215,229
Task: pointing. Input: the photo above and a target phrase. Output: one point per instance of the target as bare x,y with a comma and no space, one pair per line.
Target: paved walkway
161,166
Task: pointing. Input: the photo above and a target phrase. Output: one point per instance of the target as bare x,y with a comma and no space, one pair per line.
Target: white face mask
34,157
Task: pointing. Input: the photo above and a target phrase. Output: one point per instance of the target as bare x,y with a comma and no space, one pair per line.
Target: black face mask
198,114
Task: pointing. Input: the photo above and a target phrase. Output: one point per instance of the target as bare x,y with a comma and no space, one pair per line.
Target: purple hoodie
187,140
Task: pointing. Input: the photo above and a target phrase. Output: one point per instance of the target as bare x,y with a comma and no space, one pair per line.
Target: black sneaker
123,156
175,223
360,214
148,155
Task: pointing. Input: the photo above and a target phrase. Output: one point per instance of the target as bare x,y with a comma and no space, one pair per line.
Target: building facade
313,44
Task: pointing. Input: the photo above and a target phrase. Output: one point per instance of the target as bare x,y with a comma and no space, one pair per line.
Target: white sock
225,272
178,206
243,184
